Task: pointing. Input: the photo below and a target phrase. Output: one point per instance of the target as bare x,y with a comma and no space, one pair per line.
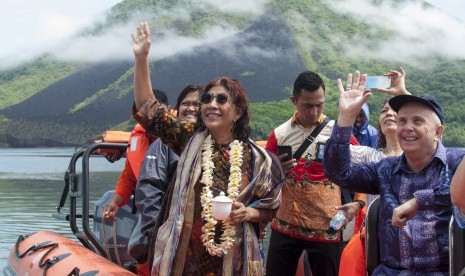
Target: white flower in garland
235,178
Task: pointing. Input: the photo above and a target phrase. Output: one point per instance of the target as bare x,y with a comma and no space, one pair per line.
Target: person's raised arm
351,99
397,83
141,48
336,162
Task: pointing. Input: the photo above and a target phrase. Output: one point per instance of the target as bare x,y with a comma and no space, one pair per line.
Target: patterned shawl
173,236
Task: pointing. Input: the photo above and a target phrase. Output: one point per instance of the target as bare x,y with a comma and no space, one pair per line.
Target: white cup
221,207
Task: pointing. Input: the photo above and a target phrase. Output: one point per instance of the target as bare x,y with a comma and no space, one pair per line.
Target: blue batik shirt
422,245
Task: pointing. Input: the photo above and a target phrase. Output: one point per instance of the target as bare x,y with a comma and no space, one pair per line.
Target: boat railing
77,186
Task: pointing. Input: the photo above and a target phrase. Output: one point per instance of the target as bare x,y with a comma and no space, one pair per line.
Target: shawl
262,193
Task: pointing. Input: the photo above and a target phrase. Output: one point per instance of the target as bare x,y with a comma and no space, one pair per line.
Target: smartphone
282,149
375,82
320,151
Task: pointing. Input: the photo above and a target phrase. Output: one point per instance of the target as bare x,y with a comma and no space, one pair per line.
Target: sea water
31,183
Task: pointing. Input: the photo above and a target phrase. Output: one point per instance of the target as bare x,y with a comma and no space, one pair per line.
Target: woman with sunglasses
216,156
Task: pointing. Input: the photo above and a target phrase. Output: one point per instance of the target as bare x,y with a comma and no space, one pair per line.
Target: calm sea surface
31,183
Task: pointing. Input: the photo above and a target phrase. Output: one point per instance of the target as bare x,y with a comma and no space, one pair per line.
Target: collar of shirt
440,154
295,123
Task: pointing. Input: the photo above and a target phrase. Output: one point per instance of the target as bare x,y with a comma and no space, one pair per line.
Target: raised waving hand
352,98
141,40
141,47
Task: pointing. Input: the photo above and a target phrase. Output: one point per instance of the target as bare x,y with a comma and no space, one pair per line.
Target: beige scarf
174,235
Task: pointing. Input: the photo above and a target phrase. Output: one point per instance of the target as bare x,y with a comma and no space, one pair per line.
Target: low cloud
116,43
421,31
251,6
41,32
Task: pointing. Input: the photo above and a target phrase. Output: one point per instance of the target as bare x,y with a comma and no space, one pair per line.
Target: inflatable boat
49,253
97,250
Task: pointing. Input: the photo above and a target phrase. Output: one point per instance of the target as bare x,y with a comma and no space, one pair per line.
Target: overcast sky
30,27
454,7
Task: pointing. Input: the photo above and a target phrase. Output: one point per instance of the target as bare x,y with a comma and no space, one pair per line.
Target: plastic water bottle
337,221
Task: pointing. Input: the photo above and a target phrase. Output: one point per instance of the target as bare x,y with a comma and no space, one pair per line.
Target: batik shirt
198,260
308,197
421,245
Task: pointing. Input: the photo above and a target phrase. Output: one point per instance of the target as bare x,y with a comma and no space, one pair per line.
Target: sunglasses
221,98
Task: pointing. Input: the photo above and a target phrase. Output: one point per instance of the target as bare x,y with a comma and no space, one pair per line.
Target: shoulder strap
346,196
309,140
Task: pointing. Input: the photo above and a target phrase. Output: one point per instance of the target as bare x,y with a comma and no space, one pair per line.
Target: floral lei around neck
235,178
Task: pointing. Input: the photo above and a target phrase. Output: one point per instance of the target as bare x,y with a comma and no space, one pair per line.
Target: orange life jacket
139,142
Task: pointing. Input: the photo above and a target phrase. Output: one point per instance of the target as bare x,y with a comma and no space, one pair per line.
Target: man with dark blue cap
427,100
415,205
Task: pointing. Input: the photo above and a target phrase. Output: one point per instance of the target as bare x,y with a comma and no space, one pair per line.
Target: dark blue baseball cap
398,101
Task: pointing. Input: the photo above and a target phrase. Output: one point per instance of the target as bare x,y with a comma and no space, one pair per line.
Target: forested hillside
50,102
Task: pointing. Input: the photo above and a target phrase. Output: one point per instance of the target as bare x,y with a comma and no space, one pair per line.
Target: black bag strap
309,140
346,196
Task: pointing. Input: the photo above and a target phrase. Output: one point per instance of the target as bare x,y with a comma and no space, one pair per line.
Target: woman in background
155,176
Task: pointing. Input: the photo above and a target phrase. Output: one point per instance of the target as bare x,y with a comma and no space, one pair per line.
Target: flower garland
235,178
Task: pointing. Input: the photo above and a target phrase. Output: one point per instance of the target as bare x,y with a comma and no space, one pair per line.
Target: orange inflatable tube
49,253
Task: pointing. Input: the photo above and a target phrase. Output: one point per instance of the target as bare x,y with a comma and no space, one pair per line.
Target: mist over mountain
77,91
262,57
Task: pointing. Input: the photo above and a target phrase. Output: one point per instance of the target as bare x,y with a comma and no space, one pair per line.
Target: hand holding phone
282,149
375,82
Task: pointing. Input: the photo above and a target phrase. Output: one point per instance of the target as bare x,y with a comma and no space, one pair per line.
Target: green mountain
54,103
